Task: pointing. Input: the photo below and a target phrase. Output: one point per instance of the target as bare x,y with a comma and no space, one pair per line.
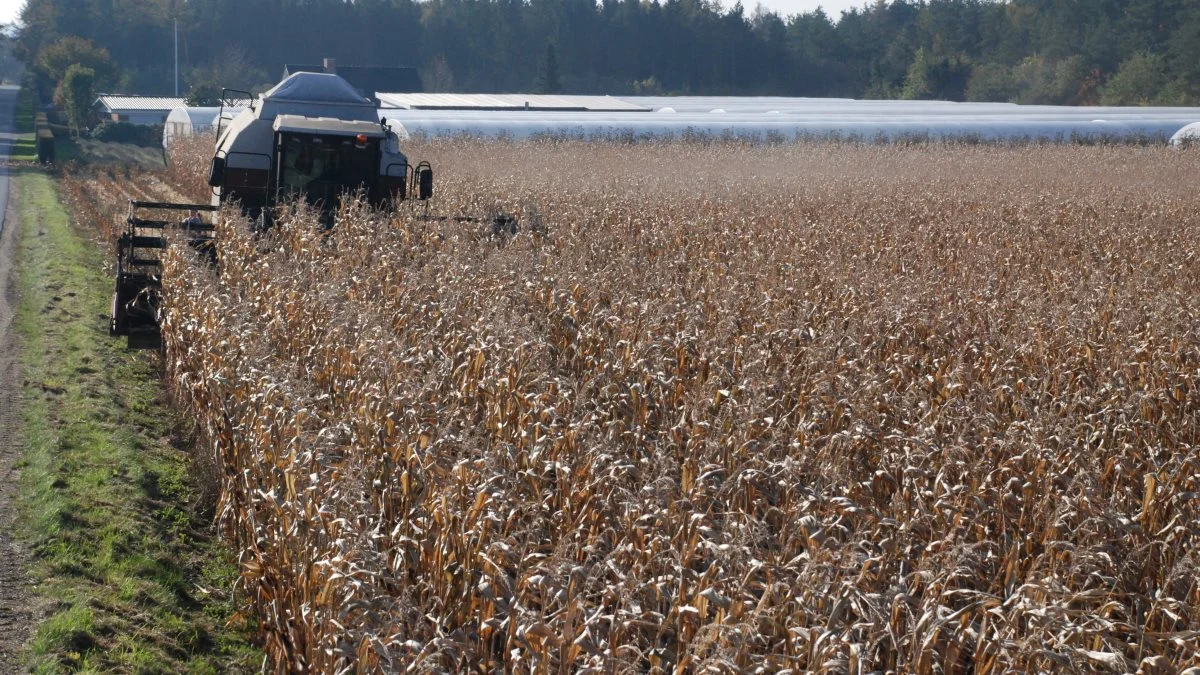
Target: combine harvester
311,137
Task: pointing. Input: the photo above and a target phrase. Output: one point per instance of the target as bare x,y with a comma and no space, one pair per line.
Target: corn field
188,164
715,408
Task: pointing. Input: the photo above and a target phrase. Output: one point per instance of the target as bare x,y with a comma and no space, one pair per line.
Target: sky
784,8
9,9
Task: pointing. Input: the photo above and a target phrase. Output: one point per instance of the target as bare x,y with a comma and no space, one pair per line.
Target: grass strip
25,144
122,550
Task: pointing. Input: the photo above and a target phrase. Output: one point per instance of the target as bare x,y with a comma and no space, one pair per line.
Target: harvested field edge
122,546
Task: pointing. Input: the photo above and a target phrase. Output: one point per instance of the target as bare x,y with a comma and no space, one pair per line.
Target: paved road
8,103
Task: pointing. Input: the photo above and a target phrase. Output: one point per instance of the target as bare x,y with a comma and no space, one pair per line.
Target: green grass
25,147
108,504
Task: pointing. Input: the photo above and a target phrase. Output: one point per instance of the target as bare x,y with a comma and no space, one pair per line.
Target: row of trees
1028,51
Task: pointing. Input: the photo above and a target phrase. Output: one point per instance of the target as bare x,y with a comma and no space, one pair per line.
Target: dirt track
16,615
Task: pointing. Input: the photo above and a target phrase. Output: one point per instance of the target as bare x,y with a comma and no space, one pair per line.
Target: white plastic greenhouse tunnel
1189,135
785,119
189,121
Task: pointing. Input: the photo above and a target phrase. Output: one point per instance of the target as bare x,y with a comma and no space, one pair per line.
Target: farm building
368,80
141,110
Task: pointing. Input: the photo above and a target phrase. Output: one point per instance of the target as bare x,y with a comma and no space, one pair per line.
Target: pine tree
547,82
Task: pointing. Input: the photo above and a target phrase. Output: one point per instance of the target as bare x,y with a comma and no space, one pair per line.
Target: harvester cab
312,137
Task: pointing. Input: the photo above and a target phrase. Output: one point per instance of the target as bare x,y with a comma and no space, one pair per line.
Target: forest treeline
1029,51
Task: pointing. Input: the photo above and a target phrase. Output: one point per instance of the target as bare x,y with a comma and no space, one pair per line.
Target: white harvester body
312,135
311,138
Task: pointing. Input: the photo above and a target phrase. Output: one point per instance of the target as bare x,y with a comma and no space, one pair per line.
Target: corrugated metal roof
544,102
155,103
114,103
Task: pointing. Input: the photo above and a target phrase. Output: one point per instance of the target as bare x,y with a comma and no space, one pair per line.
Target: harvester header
311,138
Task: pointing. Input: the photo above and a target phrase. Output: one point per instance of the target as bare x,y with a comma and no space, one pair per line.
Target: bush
1139,81
1043,82
78,90
991,82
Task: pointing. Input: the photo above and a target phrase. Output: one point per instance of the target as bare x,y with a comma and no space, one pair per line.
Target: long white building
772,118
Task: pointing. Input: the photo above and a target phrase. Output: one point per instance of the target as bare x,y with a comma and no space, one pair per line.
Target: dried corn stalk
925,409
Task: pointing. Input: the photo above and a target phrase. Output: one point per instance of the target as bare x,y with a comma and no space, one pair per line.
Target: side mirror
424,182
216,172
